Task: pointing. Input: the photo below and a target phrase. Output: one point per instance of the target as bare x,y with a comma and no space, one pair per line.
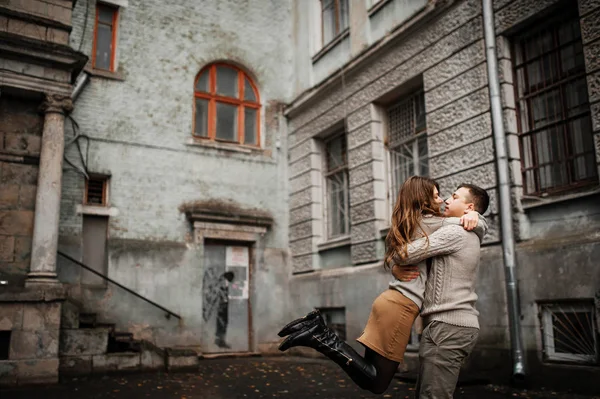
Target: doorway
225,294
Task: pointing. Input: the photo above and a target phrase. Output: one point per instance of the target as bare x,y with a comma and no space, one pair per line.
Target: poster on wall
237,261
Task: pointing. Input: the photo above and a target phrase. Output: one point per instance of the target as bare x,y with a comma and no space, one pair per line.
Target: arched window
227,106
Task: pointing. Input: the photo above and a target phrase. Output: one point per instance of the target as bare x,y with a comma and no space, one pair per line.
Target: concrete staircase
88,346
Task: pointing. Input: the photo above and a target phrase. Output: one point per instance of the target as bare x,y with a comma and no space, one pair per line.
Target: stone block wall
34,341
20,138
445,50
44,20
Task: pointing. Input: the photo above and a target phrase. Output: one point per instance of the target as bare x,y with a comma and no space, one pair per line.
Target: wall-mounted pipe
505,205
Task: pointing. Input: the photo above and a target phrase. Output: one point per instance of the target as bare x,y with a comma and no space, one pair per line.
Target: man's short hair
479,197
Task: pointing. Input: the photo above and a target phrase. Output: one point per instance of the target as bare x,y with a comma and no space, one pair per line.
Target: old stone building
37,69
394,88
232,164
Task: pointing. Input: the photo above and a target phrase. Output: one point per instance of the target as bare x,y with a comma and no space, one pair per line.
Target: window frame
326,177
414,139
337,17
113,44
104,180
547,330
213,98
566,157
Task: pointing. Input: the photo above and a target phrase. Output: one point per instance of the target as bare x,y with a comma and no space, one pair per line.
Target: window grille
336,176
557,148
96,191
407,140
570,332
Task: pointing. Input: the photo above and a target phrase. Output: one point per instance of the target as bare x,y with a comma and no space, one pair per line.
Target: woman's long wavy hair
415,199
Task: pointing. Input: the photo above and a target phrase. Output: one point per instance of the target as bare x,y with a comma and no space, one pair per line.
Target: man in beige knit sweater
448,312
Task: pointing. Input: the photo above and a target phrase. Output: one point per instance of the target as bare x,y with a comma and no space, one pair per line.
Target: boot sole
285,345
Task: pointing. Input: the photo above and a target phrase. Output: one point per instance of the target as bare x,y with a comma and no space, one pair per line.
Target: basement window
4,344
569,332
96,191
335,319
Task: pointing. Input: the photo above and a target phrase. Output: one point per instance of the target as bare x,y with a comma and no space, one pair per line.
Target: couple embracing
434,258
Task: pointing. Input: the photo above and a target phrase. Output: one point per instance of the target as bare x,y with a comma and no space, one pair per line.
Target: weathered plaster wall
140,133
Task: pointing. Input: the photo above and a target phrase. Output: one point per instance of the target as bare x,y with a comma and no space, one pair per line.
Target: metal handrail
169,313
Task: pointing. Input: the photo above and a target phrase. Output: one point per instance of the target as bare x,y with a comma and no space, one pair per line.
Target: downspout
505,205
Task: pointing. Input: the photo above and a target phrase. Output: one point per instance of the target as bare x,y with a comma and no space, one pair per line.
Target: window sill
377,7
329,46
535,202
96,210
334,243
99,73
197,142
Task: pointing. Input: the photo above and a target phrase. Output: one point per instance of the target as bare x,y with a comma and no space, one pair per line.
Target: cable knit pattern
414,289
450,289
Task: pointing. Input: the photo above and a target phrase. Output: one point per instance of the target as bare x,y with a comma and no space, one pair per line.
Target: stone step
69,315
181,359
83,341
109,362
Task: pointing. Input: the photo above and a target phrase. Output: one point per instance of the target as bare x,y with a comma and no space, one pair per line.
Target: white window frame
325,173
546,311
413,140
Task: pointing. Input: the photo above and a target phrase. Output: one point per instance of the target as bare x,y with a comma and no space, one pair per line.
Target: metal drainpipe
506,215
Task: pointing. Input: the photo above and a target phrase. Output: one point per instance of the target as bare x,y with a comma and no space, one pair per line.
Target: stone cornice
42,53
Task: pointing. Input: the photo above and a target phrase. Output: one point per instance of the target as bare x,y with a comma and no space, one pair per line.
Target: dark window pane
250,126
105,15
201,127
248,91
103,47
227,81
202,82
343,15
336,153
227,122
329,26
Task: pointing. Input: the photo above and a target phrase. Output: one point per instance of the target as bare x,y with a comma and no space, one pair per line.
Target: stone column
47,203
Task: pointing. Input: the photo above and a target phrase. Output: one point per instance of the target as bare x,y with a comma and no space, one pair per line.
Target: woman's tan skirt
388,330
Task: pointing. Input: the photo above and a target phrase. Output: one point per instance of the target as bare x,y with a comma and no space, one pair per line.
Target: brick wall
20,136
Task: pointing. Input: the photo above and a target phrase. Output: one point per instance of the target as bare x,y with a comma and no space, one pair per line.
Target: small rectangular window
407,140
334,18
96,190
105,34
335,319
336,177
557,145
569,332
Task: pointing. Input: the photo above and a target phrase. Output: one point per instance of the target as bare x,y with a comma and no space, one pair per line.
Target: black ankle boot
325,341
301,323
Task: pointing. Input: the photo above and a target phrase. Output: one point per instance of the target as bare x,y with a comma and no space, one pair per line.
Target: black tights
386,369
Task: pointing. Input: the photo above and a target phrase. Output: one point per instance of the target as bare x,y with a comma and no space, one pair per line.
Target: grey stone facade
442,46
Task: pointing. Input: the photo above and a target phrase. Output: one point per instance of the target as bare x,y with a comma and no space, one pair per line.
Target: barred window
569,332
557,149
407,140
336,176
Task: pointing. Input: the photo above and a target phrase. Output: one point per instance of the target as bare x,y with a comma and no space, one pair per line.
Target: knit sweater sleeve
448,239
481,229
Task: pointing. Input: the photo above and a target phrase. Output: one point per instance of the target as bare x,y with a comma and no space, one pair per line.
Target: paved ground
247,378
